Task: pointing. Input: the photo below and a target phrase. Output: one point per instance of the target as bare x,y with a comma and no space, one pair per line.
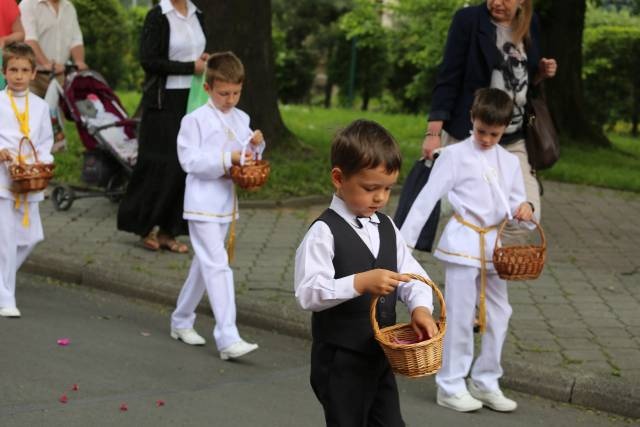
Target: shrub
611,78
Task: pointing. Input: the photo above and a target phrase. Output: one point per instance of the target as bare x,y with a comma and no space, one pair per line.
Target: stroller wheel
62,197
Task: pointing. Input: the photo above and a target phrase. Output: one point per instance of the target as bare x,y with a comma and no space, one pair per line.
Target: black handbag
417,178
541,138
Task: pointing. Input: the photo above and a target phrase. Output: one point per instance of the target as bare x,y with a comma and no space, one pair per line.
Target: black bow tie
359,219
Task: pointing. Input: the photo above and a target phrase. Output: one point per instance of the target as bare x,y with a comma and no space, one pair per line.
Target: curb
615,395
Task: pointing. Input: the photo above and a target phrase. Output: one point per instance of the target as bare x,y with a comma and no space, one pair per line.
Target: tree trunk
562,24
635,111
244,27
328,91
365,99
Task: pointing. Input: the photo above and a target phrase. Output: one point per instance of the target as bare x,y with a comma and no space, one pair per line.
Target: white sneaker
187,336
493,399
9,312
238,349
461,402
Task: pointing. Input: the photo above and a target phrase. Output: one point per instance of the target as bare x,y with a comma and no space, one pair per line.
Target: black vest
347,325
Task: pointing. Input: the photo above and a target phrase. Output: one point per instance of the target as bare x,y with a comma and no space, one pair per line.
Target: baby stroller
106,132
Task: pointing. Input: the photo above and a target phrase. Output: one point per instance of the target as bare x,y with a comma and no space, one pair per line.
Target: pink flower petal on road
145,333
75,387
124,407
63,399
159,403
64,341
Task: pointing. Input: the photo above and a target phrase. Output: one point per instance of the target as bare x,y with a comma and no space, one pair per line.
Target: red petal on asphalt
124,407
63,399
75,387
159,403
64,341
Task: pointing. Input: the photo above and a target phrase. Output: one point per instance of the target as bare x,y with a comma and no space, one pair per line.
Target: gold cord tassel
231,241
482,310
25,216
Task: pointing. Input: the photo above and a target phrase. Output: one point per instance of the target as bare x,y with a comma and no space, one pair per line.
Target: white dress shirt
186,40
56,33
41,135
205,142
316,289
463,172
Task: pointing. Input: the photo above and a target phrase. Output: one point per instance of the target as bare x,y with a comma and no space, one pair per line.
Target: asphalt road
120,354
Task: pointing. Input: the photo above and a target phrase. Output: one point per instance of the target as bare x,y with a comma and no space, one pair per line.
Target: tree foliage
107,40
419,34
304,33
362,26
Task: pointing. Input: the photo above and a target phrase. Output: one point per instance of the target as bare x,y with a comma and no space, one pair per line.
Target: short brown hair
226,67
492,106
364,144
17,50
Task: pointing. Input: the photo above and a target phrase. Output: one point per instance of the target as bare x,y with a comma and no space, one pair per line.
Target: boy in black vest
351,253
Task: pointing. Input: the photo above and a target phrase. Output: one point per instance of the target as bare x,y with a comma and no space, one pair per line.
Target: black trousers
355,389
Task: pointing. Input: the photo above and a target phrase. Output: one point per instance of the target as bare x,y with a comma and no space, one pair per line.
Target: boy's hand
524,212
5,155
235,157
257,138
423,324
378,281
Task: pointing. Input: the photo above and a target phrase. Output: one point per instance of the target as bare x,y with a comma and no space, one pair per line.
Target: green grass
617,167
304,169
302,173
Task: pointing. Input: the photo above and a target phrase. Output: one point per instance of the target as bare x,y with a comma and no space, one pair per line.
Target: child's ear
337,178
206,87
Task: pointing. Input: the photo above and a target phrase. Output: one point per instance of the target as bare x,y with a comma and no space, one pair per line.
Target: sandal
173,245
151,242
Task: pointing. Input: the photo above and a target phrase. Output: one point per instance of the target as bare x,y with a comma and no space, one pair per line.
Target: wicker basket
252,176
412,360
523,262
27,178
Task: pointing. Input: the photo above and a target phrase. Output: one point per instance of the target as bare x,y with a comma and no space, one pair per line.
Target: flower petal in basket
408,356
28,177
251,176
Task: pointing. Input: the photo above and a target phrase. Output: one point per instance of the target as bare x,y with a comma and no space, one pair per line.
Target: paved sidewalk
574,335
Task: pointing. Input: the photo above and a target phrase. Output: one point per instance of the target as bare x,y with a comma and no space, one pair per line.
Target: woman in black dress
171,52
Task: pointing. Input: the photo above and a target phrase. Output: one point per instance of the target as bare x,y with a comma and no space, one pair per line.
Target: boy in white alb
22,114
210,141
484,185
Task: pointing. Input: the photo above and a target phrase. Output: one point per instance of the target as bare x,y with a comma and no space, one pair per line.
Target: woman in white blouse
171,51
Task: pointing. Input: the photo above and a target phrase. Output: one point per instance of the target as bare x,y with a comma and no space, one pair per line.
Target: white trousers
209,270
461,297
16,243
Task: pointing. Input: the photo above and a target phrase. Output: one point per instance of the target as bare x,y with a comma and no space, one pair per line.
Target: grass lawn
617,167
305,170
